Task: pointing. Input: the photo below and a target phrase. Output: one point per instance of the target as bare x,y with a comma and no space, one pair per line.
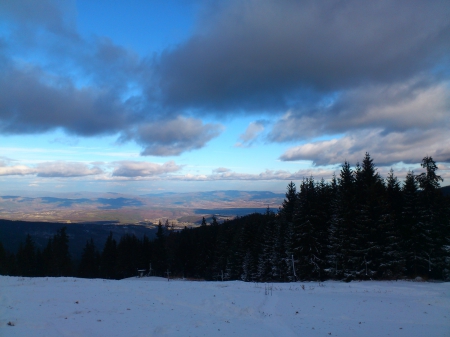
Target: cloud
51,169
33,101
335,69
254,129
54,15
66,169
394,123
131,169
267,55
267,175
385,149
20,170
172,137
221,170
413,105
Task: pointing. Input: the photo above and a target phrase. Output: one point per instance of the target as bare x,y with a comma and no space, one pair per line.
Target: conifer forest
357,226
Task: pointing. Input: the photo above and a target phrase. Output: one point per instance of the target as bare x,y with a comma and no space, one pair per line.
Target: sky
196,95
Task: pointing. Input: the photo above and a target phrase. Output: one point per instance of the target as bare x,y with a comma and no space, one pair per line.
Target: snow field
154,307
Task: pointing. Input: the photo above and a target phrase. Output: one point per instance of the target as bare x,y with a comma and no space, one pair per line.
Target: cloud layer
332,79
265,54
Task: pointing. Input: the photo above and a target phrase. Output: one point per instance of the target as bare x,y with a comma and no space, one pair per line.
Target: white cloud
385,149
66,169
253,130
132,169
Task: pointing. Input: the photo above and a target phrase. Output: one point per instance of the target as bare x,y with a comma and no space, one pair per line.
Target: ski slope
153,306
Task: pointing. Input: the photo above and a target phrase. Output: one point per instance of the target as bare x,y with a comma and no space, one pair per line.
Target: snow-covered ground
154,307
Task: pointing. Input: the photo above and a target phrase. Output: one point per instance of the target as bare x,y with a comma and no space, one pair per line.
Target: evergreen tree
26,258
310,231
3,267
393,260
108,259
90,261
56,257
411,229
287,208
214,221
270,258
159,256
433,220
61,258
344,243
128,256
369,232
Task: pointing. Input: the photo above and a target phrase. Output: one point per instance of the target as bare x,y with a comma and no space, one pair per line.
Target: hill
12,233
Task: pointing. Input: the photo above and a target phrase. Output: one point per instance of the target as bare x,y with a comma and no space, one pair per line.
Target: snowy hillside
154,307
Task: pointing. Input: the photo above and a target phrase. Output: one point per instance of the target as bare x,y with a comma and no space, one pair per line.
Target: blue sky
148,96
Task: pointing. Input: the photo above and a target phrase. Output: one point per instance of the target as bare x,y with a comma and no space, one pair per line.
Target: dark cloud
32,101
83,86
132,169
263,54
353,68
172,137
53,15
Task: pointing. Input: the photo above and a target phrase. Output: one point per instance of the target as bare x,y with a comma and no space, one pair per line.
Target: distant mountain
262,197
121,208
446,190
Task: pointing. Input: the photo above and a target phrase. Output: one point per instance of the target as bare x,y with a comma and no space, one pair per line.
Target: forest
358,226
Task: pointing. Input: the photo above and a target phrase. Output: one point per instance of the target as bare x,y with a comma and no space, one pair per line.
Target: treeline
117,260
357,226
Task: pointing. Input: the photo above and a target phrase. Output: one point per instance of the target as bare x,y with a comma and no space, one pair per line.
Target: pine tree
393,260
287,208
26,258
61,257
269,258
433,220
159,255
90,261
346,241
310,232
410,227
128,256
370,193
56,257
108,259
3,267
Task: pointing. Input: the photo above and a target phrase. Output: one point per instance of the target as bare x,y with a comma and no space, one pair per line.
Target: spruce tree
90,261
108,259
26,258
410,228
345,243
433,220
393,260
308,233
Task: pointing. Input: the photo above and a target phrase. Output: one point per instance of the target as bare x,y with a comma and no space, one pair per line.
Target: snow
153,306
